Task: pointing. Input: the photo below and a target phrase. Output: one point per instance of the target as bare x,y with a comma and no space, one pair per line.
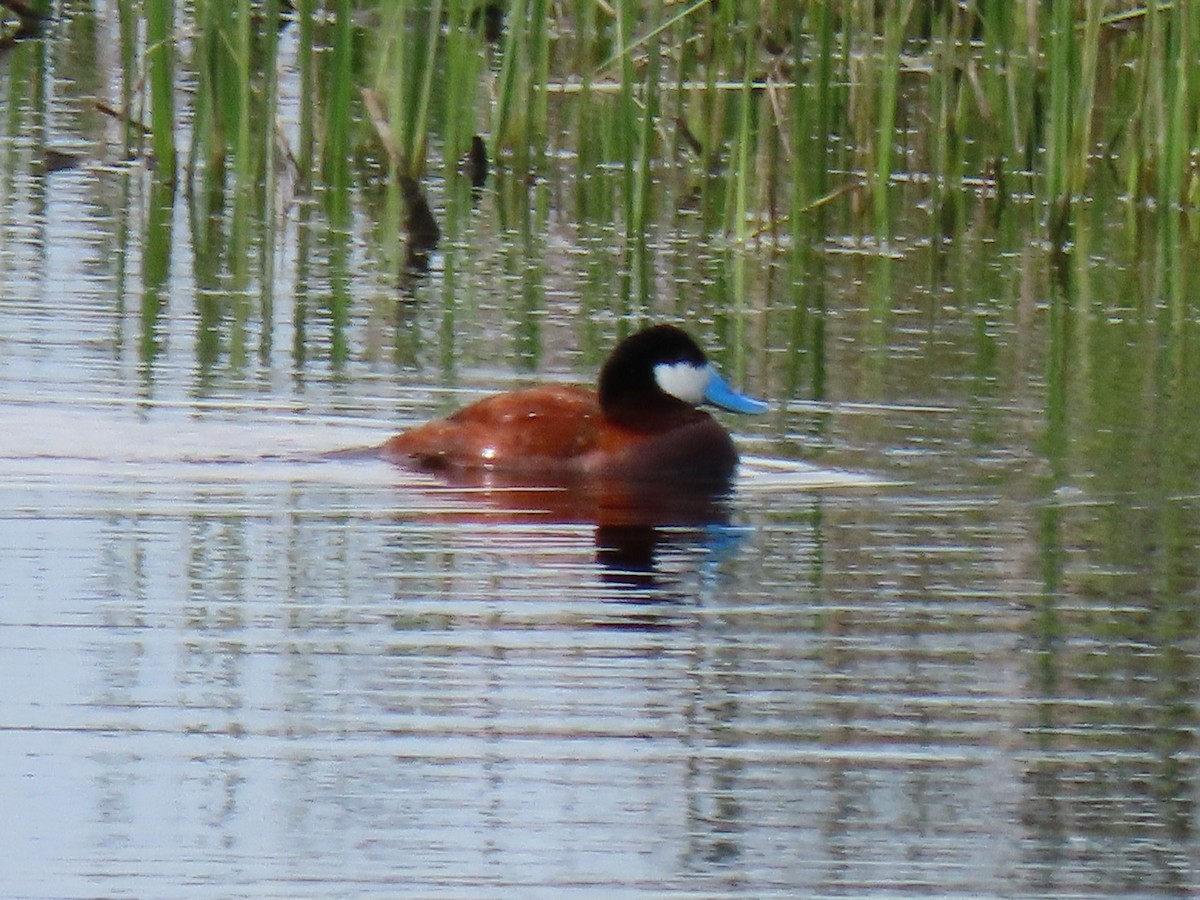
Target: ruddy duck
642,423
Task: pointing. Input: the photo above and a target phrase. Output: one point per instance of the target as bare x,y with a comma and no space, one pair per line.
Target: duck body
561,431
641,424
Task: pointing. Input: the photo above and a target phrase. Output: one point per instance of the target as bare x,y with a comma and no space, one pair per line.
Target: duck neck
663,414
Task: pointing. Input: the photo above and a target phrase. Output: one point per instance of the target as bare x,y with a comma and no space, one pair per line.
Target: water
956,658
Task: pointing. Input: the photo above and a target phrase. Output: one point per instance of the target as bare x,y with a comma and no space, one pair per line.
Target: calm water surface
957,659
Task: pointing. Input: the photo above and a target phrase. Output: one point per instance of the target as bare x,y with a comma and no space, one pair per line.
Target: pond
941,640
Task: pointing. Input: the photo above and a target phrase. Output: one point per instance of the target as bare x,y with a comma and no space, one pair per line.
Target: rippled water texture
941,641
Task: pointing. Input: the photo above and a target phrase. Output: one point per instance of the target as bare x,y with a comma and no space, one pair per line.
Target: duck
641,424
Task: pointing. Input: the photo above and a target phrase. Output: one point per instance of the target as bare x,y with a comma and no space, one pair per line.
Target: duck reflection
636,522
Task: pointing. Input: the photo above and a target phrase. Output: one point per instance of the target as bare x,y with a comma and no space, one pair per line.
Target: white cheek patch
683,380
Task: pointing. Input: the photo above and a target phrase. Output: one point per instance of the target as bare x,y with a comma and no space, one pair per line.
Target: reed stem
337,124
160,54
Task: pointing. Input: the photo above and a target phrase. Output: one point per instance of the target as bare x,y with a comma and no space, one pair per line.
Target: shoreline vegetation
762,113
